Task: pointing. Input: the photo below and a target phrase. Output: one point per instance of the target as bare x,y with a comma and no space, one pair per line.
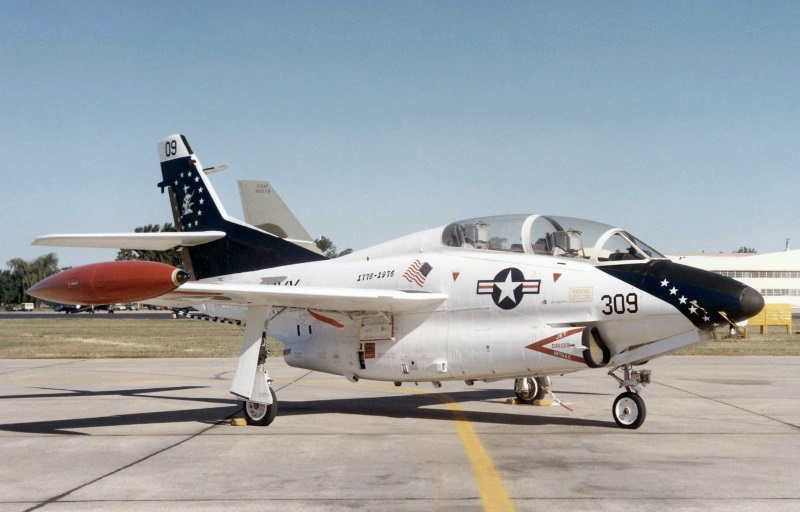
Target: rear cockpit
563,237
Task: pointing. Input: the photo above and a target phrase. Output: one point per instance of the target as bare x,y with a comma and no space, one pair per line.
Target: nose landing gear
629,410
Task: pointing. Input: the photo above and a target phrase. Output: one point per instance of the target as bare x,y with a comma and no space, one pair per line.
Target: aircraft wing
158,241
304,297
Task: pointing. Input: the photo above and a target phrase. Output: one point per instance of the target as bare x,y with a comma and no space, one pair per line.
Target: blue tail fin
196,207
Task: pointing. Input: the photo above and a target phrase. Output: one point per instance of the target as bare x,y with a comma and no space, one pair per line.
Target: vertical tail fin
196,207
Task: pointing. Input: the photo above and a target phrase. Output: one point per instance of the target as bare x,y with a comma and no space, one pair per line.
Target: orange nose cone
110,282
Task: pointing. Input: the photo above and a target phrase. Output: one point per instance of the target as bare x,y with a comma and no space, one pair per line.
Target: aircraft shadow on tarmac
394,406
227,409
421,406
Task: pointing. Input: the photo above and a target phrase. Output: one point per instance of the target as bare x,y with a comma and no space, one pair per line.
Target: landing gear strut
259,413
629,409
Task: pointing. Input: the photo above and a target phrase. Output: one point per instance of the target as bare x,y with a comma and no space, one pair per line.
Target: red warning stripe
325,319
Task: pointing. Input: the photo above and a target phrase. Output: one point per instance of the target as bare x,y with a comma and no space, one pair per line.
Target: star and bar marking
508,287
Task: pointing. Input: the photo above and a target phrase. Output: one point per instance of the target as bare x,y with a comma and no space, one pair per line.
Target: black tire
535,393
629,410
260,414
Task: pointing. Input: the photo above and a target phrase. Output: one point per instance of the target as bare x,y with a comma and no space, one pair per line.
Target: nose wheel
629,410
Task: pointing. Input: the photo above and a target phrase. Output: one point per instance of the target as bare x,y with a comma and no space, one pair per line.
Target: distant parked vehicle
27,306
13,307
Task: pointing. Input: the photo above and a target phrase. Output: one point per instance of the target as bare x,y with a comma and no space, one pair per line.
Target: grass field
71,337
82,338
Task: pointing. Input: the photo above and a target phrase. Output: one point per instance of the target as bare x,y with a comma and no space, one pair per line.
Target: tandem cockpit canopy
564,237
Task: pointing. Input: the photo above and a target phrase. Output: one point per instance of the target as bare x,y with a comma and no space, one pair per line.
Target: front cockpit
564,237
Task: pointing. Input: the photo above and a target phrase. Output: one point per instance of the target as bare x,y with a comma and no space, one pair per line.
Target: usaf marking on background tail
515,297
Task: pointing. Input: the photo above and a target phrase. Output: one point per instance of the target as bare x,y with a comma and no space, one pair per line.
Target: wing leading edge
306,297
145,241
251,384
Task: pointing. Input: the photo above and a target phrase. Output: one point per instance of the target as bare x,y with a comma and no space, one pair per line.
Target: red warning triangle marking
455,275
555,277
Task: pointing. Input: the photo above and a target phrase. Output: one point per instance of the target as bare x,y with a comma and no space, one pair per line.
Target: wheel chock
238,422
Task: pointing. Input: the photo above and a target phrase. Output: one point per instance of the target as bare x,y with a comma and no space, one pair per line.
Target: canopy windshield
564,237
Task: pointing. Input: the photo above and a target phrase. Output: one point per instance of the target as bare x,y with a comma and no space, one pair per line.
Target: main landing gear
629,409
530,389
261,414
258,412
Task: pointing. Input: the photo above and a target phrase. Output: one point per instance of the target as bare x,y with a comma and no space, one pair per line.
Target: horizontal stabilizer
306,297
264,209
143,241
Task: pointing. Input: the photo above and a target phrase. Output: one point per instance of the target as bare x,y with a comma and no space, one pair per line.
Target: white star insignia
682,300
200,189
176,183
664,283
673,291
201,199
693,310
706,318
181,175
195,223
199,212
507,289
197,178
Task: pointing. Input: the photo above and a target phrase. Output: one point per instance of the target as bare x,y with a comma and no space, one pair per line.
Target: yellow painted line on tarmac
490,486
494,496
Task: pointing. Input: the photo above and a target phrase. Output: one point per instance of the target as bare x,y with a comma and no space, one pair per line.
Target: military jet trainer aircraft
515,297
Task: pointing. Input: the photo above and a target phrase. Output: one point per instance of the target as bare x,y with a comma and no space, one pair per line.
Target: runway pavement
721,434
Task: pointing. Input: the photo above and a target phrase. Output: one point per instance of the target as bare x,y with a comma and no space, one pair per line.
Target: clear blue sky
678,121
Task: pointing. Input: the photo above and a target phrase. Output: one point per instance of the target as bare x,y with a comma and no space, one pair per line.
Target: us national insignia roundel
508,287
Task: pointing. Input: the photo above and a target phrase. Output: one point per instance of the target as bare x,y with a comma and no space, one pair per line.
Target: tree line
22,274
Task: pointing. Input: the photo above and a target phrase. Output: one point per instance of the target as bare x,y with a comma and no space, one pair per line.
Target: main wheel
261,414
534,392
629,410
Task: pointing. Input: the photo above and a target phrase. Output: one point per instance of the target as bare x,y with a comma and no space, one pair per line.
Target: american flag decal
417,272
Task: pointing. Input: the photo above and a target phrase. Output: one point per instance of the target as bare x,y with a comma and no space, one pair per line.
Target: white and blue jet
517,297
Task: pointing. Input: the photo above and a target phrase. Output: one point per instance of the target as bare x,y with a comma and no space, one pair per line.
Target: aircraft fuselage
507,315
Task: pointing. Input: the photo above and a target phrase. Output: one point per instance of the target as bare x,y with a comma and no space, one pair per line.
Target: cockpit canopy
565,237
